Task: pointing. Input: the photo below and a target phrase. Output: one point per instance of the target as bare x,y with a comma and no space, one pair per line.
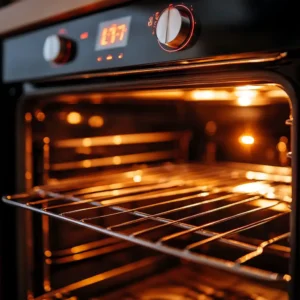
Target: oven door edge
289,83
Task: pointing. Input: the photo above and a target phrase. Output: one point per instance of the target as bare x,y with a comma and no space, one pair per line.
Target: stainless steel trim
188,65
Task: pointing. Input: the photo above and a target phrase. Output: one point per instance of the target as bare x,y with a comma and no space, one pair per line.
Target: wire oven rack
230,216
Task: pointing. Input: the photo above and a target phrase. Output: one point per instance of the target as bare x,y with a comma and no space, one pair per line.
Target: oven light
247,140
245,97
245,93
199,95
248,87
74,118
203,95
244,101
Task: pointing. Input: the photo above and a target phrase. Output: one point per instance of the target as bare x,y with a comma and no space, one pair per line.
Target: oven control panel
148,33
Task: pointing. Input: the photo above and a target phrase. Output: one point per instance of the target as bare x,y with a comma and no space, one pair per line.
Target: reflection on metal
102,277
227,60
84,247
91,253
115,160
28,225
126,139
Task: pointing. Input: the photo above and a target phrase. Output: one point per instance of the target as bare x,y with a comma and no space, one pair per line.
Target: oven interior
172,193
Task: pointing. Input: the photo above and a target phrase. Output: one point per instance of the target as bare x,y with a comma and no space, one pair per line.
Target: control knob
174,27
57,49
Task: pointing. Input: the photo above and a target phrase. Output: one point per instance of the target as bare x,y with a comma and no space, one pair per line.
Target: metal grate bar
88,254
125,139
169,237
102,277
181,210
84,247
162,203
115,160
261,247
236,230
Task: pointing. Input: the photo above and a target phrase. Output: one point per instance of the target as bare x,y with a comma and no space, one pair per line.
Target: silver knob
57,49
173,27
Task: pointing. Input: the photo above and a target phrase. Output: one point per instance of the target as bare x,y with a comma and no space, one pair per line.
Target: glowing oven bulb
247,140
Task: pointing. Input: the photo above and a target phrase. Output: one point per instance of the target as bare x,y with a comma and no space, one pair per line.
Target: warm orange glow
99,58
265,203
46,140
109,57
84,150
74,118
113,34
256,176
245,96
137,178
244,101
281,146
40,116
28,117
48,253
211,128
254,187
210,95
117,160
87,163
96,121
203,95
120,56
247,140
87,142
28,175
117,140
248,87
84,35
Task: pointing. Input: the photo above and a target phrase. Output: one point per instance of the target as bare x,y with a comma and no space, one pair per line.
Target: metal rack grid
226,216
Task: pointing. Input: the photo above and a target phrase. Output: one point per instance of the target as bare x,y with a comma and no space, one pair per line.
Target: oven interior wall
65,143
74,137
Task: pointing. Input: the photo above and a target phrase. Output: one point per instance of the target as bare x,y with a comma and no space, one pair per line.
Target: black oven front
151,152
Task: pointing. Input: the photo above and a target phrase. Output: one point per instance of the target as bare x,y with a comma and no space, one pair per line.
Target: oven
151,153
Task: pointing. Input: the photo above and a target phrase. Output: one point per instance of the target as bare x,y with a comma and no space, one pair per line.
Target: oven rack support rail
162,208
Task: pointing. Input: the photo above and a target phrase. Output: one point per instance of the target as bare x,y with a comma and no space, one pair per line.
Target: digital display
113,34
